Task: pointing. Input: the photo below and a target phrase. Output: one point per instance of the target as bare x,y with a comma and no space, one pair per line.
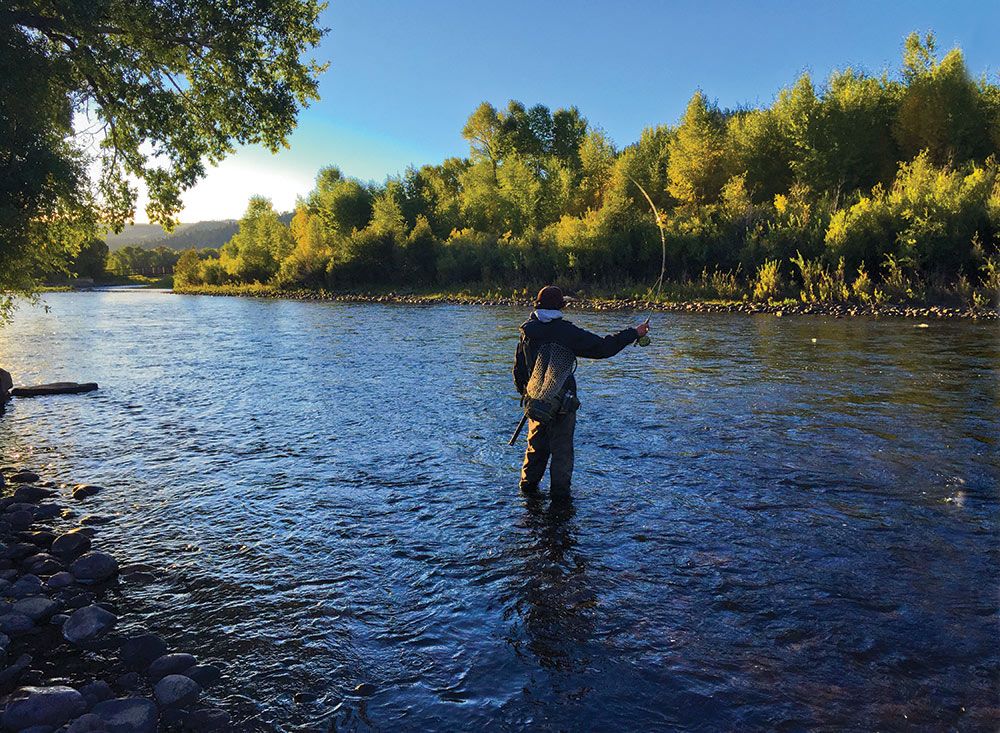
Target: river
777,523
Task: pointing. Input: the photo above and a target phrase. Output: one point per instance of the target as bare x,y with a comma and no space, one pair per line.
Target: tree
696,169
255,252
940,111
91,260
163,87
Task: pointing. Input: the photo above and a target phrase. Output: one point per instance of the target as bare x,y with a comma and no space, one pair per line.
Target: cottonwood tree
147,90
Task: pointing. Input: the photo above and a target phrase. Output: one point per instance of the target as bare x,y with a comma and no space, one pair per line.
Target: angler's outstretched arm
591,346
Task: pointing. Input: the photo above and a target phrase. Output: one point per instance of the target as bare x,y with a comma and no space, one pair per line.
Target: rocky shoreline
66,667
792,308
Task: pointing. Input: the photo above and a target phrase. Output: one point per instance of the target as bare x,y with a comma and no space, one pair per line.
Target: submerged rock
85,491
138,652
54,388
94,567
88,624
42,706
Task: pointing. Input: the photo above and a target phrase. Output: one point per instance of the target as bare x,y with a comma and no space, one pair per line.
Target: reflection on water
776,523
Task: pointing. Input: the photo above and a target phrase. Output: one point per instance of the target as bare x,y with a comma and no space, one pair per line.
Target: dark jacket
583,343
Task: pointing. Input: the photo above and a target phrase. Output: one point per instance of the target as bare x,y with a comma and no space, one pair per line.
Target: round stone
170,664
94,567
36,607
138,652
176,690
70,545
38,706
127,715
88,624
15,623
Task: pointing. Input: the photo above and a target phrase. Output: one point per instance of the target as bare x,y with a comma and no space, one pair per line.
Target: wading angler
543,374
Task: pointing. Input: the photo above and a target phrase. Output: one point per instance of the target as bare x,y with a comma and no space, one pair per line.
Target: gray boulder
60,580
26,585
176,690
36,607
70,545
88,723
36,706
94,567
127,715
15,623
23,477
138,652
170,664
88,624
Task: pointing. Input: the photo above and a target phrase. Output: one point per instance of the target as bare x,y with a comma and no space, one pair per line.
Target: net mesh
553,366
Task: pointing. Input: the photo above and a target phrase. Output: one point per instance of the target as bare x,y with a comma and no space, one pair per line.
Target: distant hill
199,235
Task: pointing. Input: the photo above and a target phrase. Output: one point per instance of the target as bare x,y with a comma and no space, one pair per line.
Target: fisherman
555,437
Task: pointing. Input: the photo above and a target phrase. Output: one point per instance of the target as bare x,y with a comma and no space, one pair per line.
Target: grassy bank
612,299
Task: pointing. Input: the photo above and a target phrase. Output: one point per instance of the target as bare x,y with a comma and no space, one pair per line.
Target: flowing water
781,524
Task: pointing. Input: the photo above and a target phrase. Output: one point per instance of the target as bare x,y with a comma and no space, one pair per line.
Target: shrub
767,284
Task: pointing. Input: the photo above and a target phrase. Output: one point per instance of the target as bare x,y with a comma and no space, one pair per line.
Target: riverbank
65,661
522,299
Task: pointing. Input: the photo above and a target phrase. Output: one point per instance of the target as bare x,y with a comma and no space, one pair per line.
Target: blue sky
404,76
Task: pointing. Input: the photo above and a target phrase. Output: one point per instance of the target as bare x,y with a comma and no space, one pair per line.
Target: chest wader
551,412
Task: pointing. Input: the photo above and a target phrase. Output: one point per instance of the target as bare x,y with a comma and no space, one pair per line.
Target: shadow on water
777,524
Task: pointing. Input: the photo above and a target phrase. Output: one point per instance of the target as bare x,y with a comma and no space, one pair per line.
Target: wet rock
23,477
138,652
35,706
88,624
88,723
47,511
4,586
6,385
170,664
176,690
42,564
29,494
303,698
36,608
94,567
60,580
14,624
127,715
4,643
26,585
9,675
96,691
207,719
19,550
53,388
70,545
59,619
85,491
42,538
20,520
129,681
365,689
205,675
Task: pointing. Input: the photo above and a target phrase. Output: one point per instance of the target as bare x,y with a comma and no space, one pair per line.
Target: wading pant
554,439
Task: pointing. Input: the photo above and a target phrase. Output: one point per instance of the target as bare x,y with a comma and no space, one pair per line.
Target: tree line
864,187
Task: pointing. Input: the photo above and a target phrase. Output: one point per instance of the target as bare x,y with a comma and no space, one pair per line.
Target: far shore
780,308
